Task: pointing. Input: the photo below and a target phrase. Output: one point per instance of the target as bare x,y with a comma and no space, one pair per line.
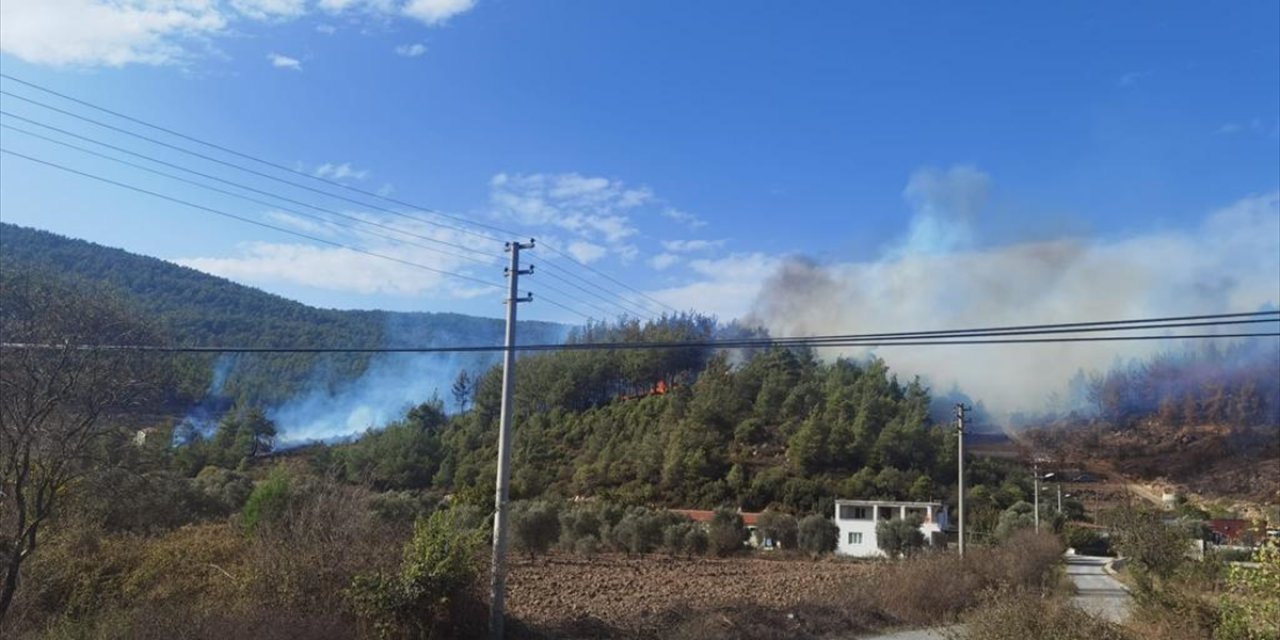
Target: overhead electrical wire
979,336
281,167
275,205
489,261
233,216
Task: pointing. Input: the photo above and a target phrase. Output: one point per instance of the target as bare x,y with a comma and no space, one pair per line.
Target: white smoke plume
937,278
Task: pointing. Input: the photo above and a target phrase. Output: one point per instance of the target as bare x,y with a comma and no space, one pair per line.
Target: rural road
1096,592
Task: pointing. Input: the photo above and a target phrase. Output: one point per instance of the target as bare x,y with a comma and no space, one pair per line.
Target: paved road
1097,592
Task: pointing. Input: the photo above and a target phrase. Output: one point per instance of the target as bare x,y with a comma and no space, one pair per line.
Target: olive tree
57,399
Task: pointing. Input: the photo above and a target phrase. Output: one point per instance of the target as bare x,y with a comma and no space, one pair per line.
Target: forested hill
203,310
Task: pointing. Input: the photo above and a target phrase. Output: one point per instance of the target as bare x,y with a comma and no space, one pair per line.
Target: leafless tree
57,400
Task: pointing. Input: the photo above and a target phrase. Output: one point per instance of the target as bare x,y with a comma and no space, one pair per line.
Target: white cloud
280,61
411,50
326,29
586,252
663,260
91,32
434,12
691,246
160,32
349,271
333,171
683,217
385,190
270,9
592,207
303,224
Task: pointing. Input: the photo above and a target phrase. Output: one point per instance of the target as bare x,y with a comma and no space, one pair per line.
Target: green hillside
203,310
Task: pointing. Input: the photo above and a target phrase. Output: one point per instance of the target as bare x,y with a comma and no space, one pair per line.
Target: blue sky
694,151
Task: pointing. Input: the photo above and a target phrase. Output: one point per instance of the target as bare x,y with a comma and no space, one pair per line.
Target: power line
245,169
611,278
618,346
248,220
247,156
248,198
628,309
301,173
989,335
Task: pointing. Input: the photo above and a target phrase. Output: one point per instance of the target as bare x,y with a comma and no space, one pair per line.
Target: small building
857,520
1234,531
750,520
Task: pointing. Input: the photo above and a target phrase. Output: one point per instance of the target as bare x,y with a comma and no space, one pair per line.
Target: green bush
899,537
818,535
781,528
726,532
436,576
535,526
268,502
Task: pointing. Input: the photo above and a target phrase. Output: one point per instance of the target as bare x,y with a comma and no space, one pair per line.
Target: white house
857,522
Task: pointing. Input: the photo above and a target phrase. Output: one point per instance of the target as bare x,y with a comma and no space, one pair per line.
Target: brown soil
613,595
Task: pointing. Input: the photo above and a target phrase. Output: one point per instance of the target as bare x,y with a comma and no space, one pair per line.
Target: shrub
1016,616
818,535
726,532
1251,610
587,545
782,528
268,502
899,537
1085,540
1154,549
535,526
435,576
696,541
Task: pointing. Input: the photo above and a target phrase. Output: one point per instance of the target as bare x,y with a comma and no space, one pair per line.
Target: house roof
700,515
888,503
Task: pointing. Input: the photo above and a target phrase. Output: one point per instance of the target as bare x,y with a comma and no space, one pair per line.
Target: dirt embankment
613,595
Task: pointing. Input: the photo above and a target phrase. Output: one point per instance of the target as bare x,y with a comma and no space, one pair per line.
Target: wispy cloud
333,171
586,252
683,217
116,33
270,9
663,261
592,207
281,61
326,29
1131,79
350,271
435,12
411,50
691,246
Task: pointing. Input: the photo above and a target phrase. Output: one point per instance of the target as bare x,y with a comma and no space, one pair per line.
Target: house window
855,537
887,513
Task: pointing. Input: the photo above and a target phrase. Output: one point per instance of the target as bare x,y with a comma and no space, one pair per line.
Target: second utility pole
498,577
960,409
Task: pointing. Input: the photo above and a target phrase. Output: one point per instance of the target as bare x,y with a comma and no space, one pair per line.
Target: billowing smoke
389,387
936,277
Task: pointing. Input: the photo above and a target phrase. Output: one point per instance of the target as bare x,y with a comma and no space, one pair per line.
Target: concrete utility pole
498,577
960,409
1035,467
1059,497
